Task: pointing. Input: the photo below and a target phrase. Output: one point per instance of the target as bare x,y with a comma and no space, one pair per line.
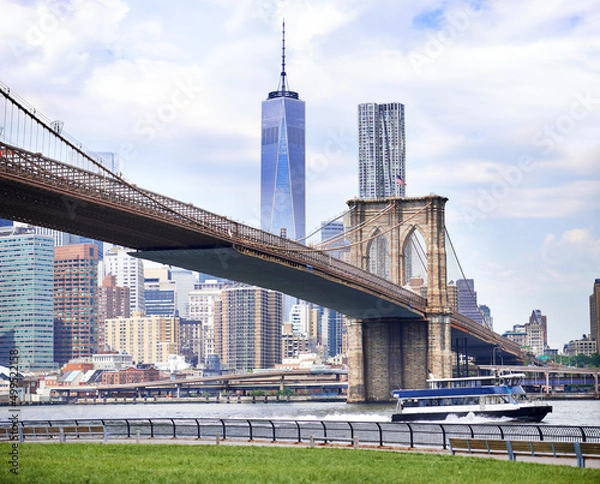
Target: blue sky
501,98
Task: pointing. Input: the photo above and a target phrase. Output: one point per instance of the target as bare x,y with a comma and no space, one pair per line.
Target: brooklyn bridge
395,335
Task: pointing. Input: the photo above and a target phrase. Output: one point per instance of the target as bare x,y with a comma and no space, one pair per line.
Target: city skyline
500,117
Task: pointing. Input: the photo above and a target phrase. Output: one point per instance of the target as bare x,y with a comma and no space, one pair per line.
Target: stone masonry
386,353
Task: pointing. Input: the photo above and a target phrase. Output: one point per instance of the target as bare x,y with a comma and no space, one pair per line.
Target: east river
564,412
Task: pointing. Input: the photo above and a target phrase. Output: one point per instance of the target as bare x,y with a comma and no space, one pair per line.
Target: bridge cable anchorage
483,319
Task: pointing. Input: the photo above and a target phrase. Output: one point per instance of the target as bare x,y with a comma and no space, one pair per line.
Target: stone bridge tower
387,353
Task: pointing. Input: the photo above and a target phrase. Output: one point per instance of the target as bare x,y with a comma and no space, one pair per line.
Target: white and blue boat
496,396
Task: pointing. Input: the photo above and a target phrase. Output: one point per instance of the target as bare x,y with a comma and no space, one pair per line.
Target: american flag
399,180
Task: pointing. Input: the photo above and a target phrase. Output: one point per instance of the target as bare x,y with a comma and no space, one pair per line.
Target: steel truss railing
33,168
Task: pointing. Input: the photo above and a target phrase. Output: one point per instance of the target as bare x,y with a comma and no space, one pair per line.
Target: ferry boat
496,396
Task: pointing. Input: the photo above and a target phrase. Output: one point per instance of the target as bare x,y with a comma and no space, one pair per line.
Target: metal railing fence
380,434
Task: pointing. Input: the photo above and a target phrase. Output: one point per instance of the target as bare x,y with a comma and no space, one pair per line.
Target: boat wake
474,419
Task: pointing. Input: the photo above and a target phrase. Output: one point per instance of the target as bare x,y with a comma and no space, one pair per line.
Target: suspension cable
471,293
323,225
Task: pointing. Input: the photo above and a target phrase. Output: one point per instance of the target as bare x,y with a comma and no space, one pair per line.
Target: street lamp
498,347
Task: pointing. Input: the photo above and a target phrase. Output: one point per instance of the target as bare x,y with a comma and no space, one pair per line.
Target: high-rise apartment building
64,238
381,150
467,300
282,186
191,341
26,298
160,297
75,301
292,343
201,308
595,313
248,323
149,339
129,272
532,336
113,301
538,330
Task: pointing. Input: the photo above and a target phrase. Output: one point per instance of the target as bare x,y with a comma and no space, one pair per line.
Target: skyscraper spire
282,86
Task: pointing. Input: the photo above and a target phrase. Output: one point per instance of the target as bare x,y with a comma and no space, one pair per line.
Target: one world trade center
283,180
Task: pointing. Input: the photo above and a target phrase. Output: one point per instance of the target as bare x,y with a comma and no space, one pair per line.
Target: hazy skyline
501,103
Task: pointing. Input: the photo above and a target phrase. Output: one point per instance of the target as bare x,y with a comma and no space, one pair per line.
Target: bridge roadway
302,378
38,190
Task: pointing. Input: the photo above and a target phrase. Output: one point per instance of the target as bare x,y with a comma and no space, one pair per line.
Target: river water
564,412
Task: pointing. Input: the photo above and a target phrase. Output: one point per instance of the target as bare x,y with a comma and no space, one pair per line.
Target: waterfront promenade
318,443
421,437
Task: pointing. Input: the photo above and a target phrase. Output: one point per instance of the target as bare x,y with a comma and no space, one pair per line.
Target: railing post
174,431
380,434
410,432
443,436
274,433
324,432
151,428
224,428
128,428
299,431
580,459
198,426
250,429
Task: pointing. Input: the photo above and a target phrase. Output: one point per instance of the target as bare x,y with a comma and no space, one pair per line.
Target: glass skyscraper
27,299
467,300
283,181
381,150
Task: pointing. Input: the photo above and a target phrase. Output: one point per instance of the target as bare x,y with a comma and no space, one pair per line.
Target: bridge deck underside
300,282
26,203
481,351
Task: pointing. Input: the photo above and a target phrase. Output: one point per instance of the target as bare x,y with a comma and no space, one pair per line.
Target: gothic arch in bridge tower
414,256
387,353
378,254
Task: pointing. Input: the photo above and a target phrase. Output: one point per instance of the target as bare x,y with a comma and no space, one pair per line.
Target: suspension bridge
49,179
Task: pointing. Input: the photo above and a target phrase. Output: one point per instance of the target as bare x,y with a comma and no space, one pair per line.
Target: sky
502,103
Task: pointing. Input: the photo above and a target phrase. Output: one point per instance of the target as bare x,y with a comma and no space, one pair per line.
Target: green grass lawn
131,463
